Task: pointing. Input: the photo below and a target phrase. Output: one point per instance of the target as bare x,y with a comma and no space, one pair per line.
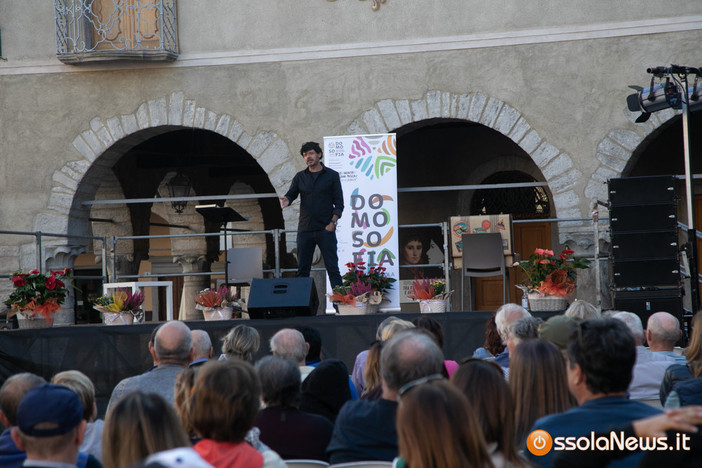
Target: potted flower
219,304
362,289
431,294
37,295
550,279
121,307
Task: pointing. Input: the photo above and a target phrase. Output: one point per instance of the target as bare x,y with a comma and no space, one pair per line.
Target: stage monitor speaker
282,297
648,272
646,303
641,190
646,244
643,218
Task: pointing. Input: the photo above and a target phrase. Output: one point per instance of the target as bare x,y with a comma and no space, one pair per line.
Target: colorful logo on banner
373,156
367,230
371,228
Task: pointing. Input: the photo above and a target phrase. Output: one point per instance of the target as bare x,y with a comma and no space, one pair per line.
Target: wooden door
177,293
121,27
526,237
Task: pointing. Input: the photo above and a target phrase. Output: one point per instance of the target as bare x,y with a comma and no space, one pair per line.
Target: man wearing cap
321,204
50,426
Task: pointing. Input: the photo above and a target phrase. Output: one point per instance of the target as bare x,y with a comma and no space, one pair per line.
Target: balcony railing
108,30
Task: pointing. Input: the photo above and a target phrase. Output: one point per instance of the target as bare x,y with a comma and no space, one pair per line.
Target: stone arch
100,145
556,166
616,149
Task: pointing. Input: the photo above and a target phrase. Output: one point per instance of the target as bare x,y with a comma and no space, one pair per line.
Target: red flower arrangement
551,275
38,293
361,284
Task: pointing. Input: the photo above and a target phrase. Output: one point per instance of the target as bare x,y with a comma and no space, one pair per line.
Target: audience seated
172,351
292,433
650,368
224,403
11,394
433,326
582,310
601,355
138,425
241,342
50,427
693,355
83,386
326,389
290,343
202,348
371,373
437,427
493,345
521,330
365,430
556,330
483,383
539,386
505,316
662,332
359,365
314,353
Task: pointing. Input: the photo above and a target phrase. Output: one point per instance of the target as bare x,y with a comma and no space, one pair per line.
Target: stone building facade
472,90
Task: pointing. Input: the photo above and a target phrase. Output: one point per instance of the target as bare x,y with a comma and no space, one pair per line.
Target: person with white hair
290,343
649,368
662,332
506,315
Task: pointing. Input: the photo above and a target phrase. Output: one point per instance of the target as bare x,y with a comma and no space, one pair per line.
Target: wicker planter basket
432,306
217,313
24,321
548,304
118,318
360,308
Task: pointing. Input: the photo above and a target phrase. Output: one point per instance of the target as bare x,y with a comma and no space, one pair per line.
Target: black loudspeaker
647,244
642,190
645,303
647,272
282,297
643,218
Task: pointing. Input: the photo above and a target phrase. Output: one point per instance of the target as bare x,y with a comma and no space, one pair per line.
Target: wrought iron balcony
109,30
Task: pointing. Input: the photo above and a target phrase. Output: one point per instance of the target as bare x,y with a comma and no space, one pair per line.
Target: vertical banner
368,229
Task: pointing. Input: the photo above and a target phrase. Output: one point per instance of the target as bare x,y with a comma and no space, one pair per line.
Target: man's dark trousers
326,240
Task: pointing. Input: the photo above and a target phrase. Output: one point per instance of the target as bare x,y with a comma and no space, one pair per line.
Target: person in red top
224,403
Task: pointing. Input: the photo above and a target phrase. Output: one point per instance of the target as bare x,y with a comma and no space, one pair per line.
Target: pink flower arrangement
551,275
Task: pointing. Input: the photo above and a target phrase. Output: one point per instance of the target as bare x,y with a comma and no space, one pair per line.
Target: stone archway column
192,285
59,257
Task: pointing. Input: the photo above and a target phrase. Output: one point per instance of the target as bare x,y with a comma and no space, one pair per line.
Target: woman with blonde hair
539,385
241,342
139,425
83,386
371,372
437,428
582,310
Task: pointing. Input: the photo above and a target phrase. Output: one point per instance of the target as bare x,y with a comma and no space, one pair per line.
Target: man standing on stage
321,204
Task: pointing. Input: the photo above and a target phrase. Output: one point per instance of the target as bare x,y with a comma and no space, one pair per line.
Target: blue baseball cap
56,405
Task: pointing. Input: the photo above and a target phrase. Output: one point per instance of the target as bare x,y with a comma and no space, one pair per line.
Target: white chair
363,464
305,463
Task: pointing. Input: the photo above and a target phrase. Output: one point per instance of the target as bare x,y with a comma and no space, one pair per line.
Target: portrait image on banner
368,230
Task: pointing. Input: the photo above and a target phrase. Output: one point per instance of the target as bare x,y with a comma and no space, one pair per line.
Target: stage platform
107,354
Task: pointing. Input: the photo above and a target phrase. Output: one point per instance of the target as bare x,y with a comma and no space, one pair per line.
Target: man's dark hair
314,339
605,351
310,145
280,381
